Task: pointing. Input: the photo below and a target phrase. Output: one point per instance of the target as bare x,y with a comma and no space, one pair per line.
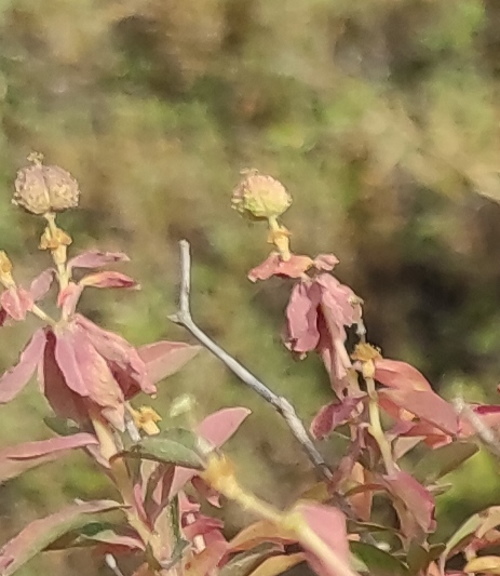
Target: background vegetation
381,118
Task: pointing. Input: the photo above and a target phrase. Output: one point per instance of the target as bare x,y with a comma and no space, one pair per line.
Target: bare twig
280,404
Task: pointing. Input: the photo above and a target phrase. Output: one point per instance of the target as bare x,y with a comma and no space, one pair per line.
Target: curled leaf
109,279
96,259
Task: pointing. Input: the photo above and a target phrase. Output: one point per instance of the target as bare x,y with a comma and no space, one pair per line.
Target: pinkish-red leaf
165,358
14,380
218,427
333,415
14,460
416,502
99,382
301,333
41,284
109,279
396,374
96,259
295,267
65,356
127,366
16,302
427,405
329,524
36,536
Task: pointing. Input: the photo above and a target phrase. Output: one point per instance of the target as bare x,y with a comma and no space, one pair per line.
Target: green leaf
175,446
418,558
439,462
38,535
375,561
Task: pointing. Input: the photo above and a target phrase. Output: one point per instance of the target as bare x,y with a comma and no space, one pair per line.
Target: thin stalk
375,427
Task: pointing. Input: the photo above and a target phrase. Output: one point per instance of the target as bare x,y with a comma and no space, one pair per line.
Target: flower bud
41,189
260,196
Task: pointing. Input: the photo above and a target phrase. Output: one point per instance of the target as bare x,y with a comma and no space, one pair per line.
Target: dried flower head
41,189
260,196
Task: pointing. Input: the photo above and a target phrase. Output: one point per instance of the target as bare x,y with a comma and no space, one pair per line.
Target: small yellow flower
146,419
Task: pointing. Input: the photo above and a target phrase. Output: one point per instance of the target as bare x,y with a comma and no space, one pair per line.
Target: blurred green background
382,119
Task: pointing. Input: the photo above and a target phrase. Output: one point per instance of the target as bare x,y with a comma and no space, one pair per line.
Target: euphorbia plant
90,376
381,409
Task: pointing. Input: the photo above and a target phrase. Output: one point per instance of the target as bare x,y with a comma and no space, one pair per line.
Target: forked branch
280,404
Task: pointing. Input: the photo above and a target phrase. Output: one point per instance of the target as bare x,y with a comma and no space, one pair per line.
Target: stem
120,473
279,236
59,253
37,311
376,429
220,477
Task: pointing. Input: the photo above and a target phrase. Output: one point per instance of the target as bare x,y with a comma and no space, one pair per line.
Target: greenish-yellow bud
260,196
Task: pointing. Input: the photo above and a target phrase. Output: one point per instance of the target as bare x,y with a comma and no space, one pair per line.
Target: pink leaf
165,358
330,525
301,333
426,405
417,502
128,367
109,279
100,384
218,427
295,267
396,374
14,380
65,356
16,302
41,284
333,415
14,460
36,536
96,259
